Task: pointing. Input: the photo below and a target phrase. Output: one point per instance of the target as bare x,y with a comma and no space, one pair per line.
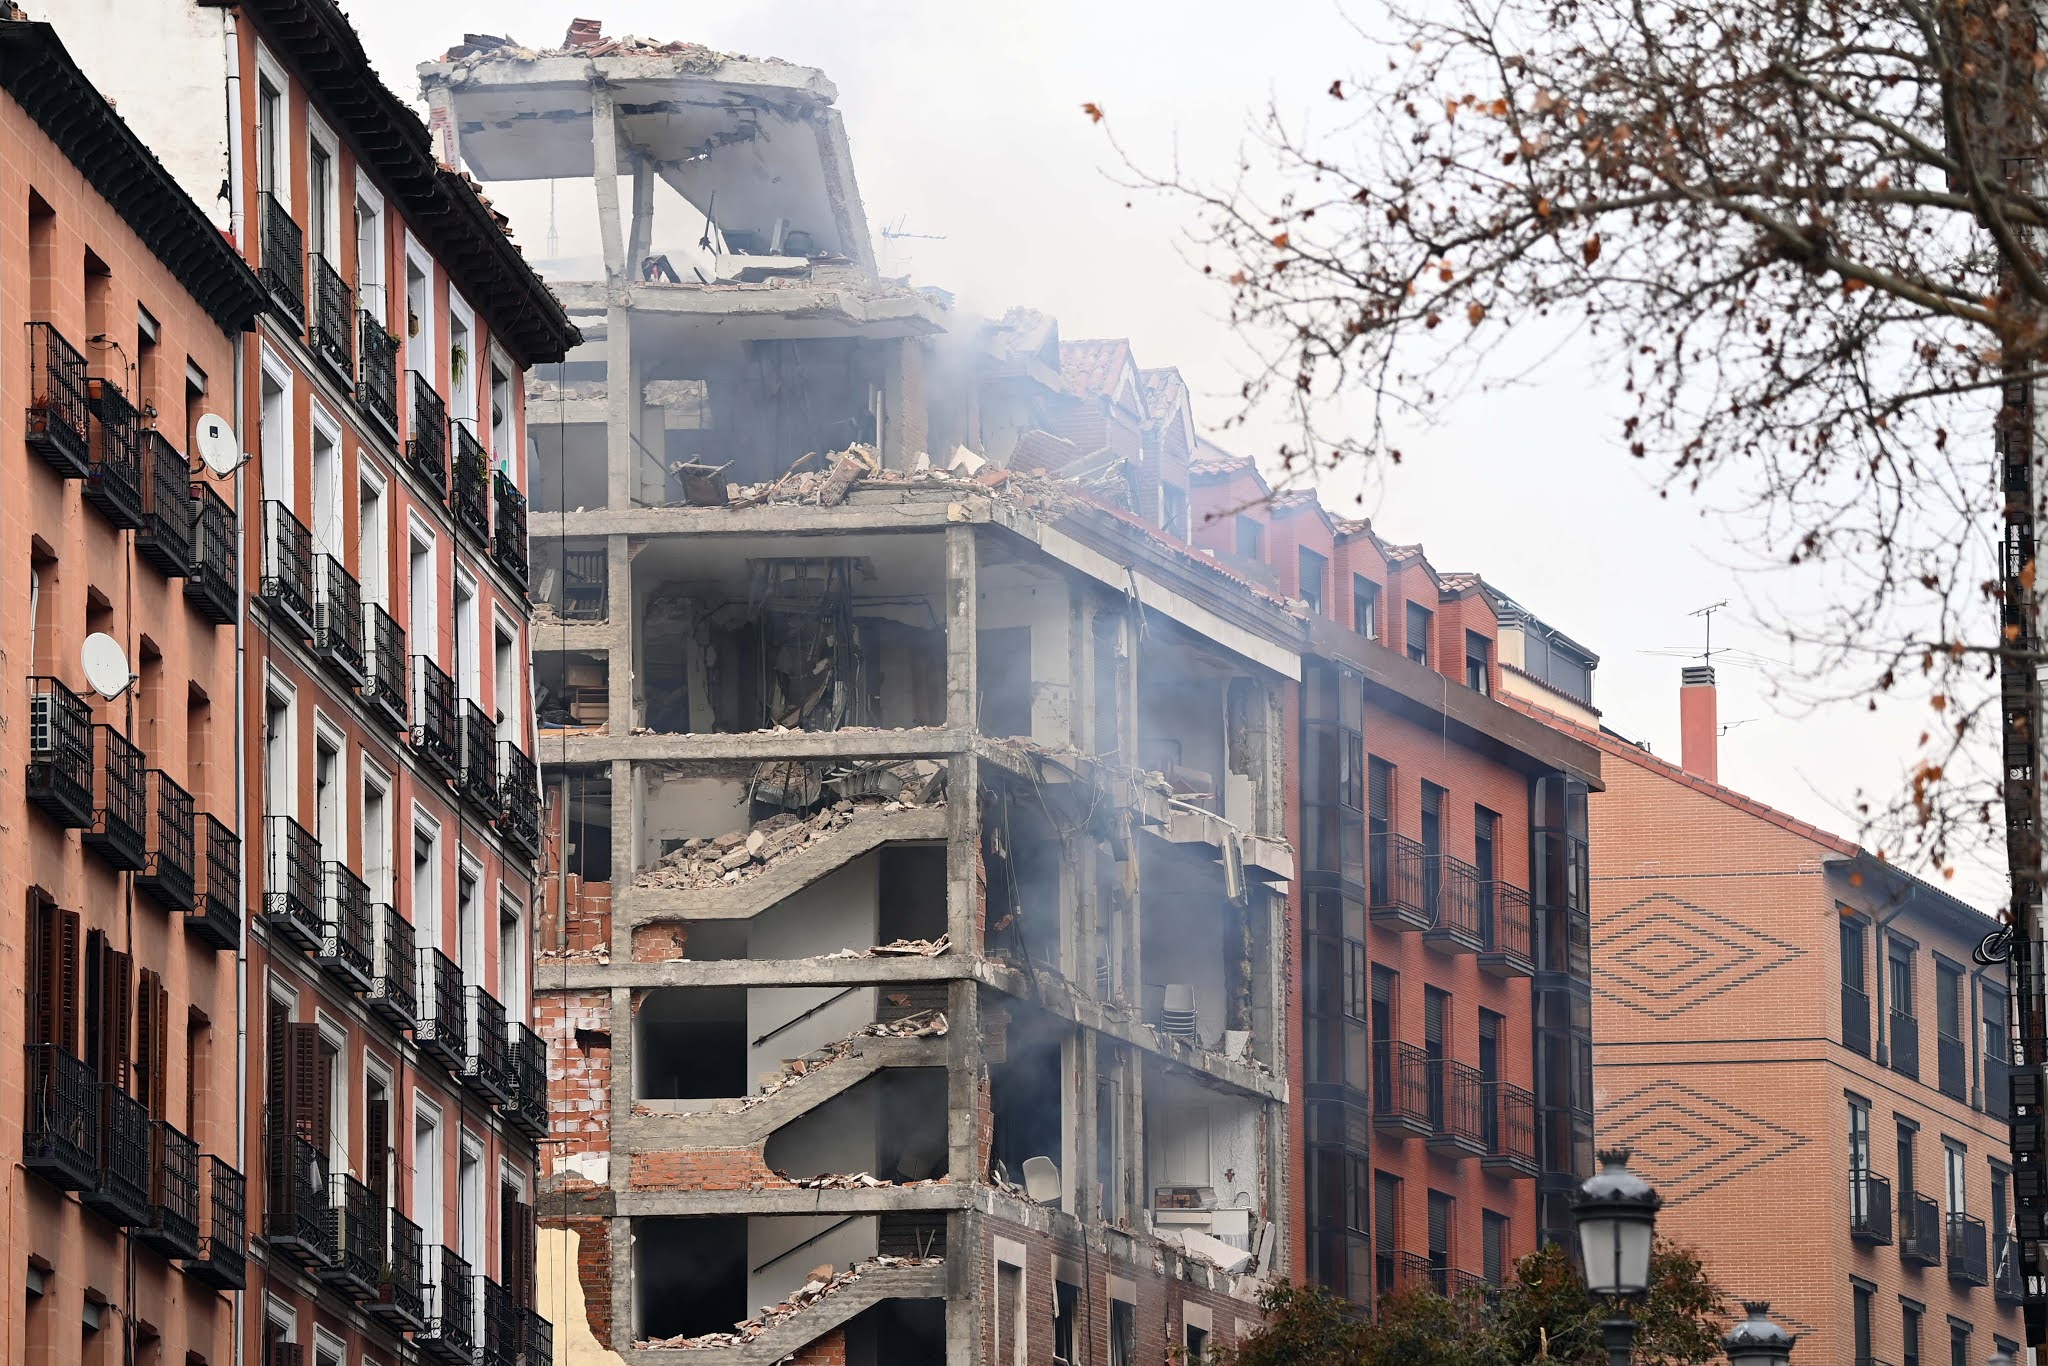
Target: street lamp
1616,1212
1756,1341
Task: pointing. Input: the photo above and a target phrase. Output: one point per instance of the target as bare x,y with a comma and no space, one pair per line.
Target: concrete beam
679,1131
640,1204
866,510
753,746
845,308
783,81
596,637
748,972
604,151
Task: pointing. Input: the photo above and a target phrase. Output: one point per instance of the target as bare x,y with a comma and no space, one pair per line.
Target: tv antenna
1707,612
896,232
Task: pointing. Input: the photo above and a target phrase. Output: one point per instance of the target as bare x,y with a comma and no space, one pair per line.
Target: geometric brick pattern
1687,1142
1662,956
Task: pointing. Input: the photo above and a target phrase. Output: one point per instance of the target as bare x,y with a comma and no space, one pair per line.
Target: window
280,784
1958,1343
1443,1217
326,526
370,257
320,202
1908,1175
1251,538
1010,1315
1909,1334
1478,662
1493,1232
1420,620
1379,824
1859,1136
1855,986
328,1350
430,1163
1123,1333
377,871
1197,1341
423,619
469,949
512,955
469,1193
1952,1065
1997,1049
334,1078
1436,1004
468,664
419,312
373,545
1905,1027
1385,985
269,133
274,431
377,1155
1365,607
1432,847
1386,1228
1861,1294
1955,1163
328,826
1174,510
1314,569
505,680
503,449
1065,1297
461,364
426,885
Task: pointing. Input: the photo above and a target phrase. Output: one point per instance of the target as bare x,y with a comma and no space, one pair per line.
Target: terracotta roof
1093,366
1220,464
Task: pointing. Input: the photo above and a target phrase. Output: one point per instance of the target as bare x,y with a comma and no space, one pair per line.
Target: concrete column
625,1309
604,150
618,568
621,408
625,864
625,1312
641,235
962,689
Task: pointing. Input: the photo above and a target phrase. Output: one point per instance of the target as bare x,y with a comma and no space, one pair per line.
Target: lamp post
1756,1341
1616,1212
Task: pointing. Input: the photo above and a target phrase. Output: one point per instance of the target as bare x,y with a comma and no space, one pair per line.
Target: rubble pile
900,948
585,38
824,1281
862,1181
737,855
926,1024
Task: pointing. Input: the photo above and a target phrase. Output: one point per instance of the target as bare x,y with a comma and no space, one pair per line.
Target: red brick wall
829,1350
703,1169
594,1270
659,942
575,1026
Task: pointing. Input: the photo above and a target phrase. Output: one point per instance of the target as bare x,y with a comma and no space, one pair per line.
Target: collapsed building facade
914,956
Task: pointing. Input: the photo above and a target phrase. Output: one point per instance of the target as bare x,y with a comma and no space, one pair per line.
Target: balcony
1952,1069
1905,1045
1507,931
1969,1261
295,1215
216,917
338,620
400,1301
173,1225
61,1140
528,1110
210,578
1450,892
2008,1284
1920,1231
355,1239
377,381
292,890
120,1189
1408,1273
384,666
540,1340
394,969
120,801
1870,1209
222,1259
1457,1109
60,753
479,781
487,1066
1855,1020
441,1030
427,448
469,495
115,484
1509,1123
450,1333
518,798
333,311
287,584
508,546
168,873
504,1325
347,935
58,419
1400,1088
436,734
168,511
283,271
1395,866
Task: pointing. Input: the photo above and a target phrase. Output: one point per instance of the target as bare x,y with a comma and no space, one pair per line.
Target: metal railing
347,935
168,510
355,1238
1400,1087
426,447
338,619
120,800
377,380
518,798
171,832
1870,1208
210,579
528,1110
283,269
487,1066
333,308
1509,1125
60,752
540,1340
1997,1088
384,686
1951,1067
222,1258
1969,1260
479,781
295,1210
394,969
508,543
287,582
57,413
1905,1057
1451,896
441,1026
469,495
400,1294
1920,1230
121,1188
2008,1281
504,1325
1855,1020
435,734
450,1333
291,892
216,914
1394,868
61,1137
173,1227
115,484
1457,1108
1507,930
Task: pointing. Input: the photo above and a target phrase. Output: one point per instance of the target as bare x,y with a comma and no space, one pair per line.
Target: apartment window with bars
1365,607
1855,986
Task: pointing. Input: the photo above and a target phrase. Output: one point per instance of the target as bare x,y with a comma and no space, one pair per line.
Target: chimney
1699,725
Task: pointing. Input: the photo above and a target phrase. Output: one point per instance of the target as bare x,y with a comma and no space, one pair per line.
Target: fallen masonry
900,948
813,1290
925,1024
737,855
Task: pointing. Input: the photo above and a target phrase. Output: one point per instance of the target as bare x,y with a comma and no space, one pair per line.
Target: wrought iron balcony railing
58,418
333,312
1394,871
1905,1042
222,1259
528,1110
347,934
61,1137
115,484
169,872
1870,1208
216,916
436,736
441,1030
120,801
1450,891
355,1238
504,1325
291,892
540,1340
400,1298
1920,1230
487,1066
120,1191
1507,930
384,685
1997,1087
394,992
1400,1088
1855,1020
168,510
338,620
450,1334
295,1212
60,753
377,381
283,268
469,495
173,1226
2008,1283
479,780
1969,1259
1509,1116
287,584
426,447
210,579
518,798
1457,1109
508,542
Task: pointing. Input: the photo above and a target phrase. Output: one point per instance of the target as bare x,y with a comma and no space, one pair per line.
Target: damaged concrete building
914,968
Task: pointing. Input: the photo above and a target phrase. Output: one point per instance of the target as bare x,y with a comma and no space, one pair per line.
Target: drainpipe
1977,979
232,46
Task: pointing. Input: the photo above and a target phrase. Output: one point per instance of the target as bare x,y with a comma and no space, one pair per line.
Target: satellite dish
216,443
106,665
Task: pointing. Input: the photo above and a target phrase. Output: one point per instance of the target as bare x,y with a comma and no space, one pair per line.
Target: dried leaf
1591,251
1336,90
1093,111
1475,313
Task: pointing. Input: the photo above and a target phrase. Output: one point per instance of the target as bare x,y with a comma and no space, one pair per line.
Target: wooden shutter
44,968
276,1112
305,1099
70,941
152,1048
508,1240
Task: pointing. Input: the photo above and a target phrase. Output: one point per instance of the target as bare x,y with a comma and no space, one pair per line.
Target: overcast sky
966,123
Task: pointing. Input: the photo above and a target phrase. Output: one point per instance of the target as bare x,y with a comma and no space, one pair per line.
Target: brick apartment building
391,1094
120,315
915,967
1794,1039
1443,1069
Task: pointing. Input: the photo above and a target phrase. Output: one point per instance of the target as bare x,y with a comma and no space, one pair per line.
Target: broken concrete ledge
794,1200
865,742
864,970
